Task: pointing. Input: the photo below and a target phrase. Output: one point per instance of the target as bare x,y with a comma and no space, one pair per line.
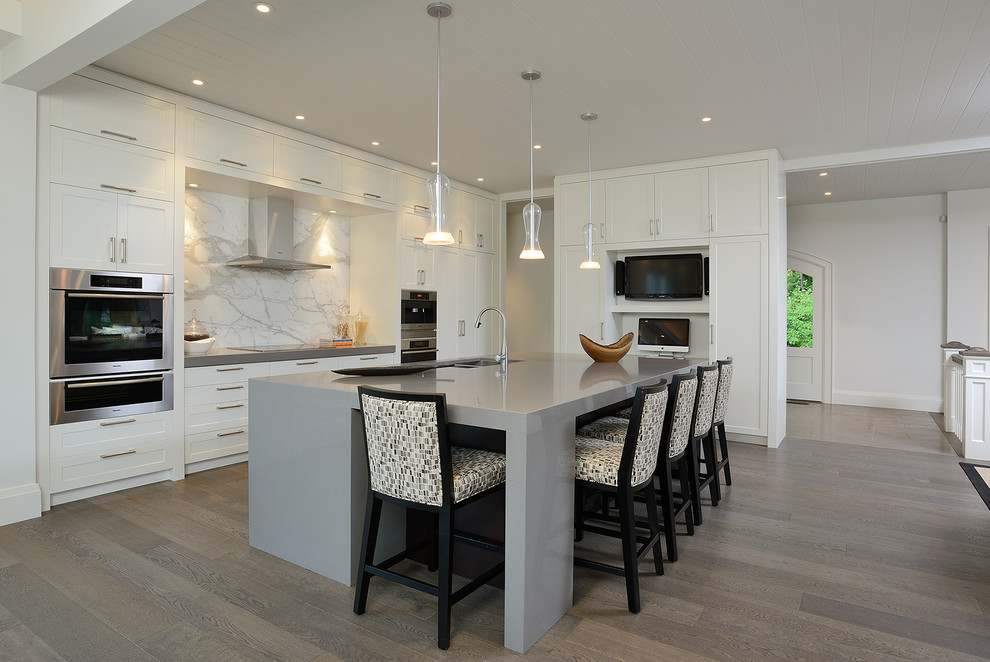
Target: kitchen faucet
504,354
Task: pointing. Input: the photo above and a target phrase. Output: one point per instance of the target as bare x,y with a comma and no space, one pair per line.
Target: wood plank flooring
818,551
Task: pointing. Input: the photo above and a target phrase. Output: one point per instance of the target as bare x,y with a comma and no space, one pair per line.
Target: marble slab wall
247,306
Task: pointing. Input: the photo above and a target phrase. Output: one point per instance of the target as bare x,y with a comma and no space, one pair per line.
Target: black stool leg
372,516
445,577
684,472
650,495
694,493
711,466
665,485
725,452
627,530
578,513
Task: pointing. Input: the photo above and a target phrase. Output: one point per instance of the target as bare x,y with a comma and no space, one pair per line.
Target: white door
807,286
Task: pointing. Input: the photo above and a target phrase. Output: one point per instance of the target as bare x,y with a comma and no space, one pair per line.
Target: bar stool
718,420
673,453
701,440
411,464
623,470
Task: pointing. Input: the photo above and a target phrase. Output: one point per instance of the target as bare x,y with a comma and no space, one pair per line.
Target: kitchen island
308,477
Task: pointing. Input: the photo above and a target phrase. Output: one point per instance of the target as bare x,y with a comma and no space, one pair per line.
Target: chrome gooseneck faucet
504,354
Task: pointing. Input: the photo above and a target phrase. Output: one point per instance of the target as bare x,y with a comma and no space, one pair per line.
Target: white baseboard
887,400
20,503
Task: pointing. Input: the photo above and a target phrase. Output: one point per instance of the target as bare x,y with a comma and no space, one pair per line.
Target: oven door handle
104,295
115,382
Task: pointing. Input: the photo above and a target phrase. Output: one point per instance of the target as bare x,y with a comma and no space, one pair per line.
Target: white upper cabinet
84,160
99,109
413,193
484,225
738,195
651,207
229,144
571,211
300,162
367,180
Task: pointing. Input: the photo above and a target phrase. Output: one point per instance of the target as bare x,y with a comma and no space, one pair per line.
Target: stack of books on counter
336,342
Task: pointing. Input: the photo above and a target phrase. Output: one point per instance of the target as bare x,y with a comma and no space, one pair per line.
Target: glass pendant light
531,213
590,260
438,184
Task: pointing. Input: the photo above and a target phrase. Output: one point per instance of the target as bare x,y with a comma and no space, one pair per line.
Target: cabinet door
146,239
571,213
418,263
630,209
229,144
299,366
415,223
89,106
307,164
476,280
682,204
83,160
448,319
739,314
83,228
413,193
484,225
367,180
460,217
582,297
738,194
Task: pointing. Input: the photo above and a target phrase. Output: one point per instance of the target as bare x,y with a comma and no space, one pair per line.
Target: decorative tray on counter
385,370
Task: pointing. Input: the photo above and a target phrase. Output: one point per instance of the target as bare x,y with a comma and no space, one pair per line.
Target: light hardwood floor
819,551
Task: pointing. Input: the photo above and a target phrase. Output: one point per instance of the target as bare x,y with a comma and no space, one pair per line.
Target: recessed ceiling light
823,174
537,146
197,81
332,211
481,179
828,193
706,119
193,185
433,163
300,117
376,143
263,7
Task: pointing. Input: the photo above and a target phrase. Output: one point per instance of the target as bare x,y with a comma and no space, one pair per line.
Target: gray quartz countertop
230,355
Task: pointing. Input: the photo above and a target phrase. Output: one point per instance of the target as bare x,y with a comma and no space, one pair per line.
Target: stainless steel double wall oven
418,326
111,344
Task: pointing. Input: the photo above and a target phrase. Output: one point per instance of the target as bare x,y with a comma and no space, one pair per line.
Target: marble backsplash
247,306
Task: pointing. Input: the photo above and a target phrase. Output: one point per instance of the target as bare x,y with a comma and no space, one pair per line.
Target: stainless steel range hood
270,236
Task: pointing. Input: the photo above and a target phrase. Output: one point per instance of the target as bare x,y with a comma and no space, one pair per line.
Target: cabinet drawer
216,393
367,180
224,374
230,144
112,113
307,164
109,435
84,160
115,463
302,365
219,443
358,361
204,418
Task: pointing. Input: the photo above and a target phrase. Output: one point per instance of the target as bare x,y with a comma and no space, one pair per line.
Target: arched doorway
809,327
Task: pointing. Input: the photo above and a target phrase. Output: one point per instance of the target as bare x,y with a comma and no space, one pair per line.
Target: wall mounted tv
665,276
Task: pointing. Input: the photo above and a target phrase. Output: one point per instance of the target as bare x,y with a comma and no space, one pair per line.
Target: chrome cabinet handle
230,406
306,362
481,240
602,331
126,420
227,434
368,358
311,181
123,251
711,334
651,226
240,367
372,195
116,382
113,249
119,135
119,188
460,236
602,231
236,163
422,208
711,222
230,388
106,455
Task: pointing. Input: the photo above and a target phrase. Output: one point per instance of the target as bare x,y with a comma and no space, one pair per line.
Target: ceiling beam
900,153
56,38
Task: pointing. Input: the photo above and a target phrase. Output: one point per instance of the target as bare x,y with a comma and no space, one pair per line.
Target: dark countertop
228,355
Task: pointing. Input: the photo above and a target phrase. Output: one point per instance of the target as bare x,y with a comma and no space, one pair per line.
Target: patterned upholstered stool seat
609,428
475,471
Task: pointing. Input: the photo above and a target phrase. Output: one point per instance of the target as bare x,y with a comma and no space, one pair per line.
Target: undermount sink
481,363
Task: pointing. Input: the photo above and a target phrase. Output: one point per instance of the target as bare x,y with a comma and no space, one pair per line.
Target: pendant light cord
589,171
439,18
531,140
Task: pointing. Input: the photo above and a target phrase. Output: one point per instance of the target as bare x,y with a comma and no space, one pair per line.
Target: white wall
20,496
968,269
529,287
888,296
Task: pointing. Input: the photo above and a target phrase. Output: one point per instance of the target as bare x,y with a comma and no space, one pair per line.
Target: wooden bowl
606,353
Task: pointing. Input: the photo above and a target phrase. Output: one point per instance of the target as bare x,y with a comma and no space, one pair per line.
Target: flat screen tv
665,276
663,335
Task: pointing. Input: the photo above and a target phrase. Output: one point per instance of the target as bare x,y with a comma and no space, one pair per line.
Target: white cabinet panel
582,300
415,223
364,360
630,205
367,180
740,318
229,144
89,106
682,204
302,365
448,313
418,262
307,164
571,211
484,225
216,443
224,374
145,228
738,194
413,193
83,160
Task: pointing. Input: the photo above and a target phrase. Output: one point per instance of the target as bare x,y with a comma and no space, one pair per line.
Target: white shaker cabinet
216,411
229,144
418,262
652,207
109,231
413,193
306,164
571,212
738,198
465,286
367,180
581,300
90,106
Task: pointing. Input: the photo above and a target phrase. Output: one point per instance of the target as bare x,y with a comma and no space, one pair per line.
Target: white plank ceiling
816,79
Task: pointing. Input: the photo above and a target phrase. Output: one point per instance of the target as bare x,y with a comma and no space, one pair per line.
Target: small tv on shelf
663,335
679,276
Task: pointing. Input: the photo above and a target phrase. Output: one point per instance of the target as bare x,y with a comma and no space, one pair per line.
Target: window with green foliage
799,309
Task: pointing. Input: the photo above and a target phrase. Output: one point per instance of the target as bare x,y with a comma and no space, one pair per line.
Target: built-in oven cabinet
89,453
216,411
102,230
